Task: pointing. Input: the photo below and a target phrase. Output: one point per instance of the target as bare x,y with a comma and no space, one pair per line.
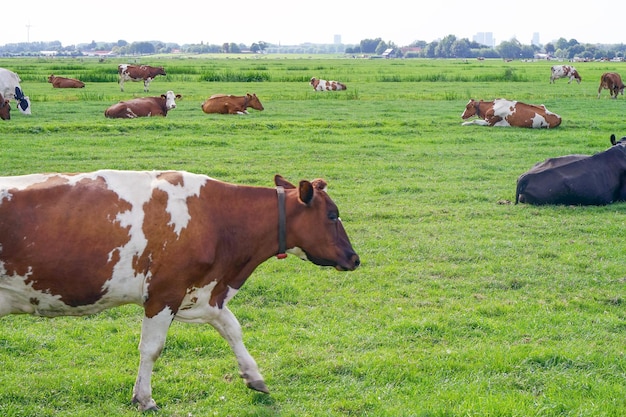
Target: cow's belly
19,297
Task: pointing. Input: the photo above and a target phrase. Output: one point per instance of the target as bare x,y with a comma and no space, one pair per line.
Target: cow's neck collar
282,224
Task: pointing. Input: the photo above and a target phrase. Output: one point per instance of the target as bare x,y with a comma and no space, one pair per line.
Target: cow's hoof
258,386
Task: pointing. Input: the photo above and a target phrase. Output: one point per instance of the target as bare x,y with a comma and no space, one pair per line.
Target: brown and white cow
178,244
503,112
143,106
144,73
323,85
63,82
612,82
228,104
564,71
5,108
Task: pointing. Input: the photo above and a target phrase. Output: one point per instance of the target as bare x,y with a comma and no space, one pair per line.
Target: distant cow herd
10,89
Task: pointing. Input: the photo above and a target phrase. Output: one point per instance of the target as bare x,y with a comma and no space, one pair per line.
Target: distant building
535,40
485,38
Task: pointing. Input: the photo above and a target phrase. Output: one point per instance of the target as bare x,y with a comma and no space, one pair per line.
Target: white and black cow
10,89
564,71
577,179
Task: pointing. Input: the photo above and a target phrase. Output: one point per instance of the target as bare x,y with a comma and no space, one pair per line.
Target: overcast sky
295,22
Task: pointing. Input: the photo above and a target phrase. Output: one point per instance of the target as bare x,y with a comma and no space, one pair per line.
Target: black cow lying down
577,179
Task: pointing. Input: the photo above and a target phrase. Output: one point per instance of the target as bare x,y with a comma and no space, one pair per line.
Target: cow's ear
613,140
178,97
319,184
281,182
306,192
163,96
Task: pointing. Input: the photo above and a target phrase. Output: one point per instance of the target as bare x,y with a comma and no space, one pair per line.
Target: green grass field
464,305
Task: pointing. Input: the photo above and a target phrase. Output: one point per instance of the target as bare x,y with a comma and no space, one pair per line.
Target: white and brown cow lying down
612,82
178,244
143,106
229,104
63,82
503,112
323,85
564,71
5,108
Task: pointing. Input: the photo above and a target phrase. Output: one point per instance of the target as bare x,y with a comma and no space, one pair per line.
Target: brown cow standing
612,82
144,73
143,106
503,112
5,108
178,244
228,104
62,82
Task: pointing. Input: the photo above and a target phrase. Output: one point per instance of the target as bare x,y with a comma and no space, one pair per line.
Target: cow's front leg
227,325
153,333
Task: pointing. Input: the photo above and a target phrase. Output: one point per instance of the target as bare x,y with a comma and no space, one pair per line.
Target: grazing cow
144,73
588,180
62,82
143,106
564,71
227,104
503,112
323,85
5,108
10,89
612,82
179,244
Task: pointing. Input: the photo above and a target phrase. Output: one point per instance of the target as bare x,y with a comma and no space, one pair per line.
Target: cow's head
170,99
471,109
5,108
314,82
254,102
51,78
23,102
576,75
314,230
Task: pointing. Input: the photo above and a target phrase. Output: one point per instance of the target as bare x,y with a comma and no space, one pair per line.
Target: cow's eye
333,215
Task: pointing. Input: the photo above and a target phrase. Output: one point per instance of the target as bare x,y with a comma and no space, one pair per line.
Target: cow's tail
522,182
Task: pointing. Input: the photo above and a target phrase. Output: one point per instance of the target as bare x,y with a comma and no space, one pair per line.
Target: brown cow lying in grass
228,104
62,82
143,106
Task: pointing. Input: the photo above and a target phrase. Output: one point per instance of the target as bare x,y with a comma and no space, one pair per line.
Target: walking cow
179,244
612,82
144,73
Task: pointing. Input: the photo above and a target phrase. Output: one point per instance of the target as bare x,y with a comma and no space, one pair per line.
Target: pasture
464,305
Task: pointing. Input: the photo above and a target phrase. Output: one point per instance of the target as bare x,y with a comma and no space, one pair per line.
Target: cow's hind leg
153,333
146,84
227,325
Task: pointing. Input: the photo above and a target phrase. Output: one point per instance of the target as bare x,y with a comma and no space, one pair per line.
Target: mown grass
464,305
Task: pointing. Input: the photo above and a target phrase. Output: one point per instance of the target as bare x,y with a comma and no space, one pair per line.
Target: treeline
448,47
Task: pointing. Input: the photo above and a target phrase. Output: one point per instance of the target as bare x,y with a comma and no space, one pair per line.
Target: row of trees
448,47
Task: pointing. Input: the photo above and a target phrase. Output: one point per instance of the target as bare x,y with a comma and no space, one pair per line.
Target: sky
295,22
